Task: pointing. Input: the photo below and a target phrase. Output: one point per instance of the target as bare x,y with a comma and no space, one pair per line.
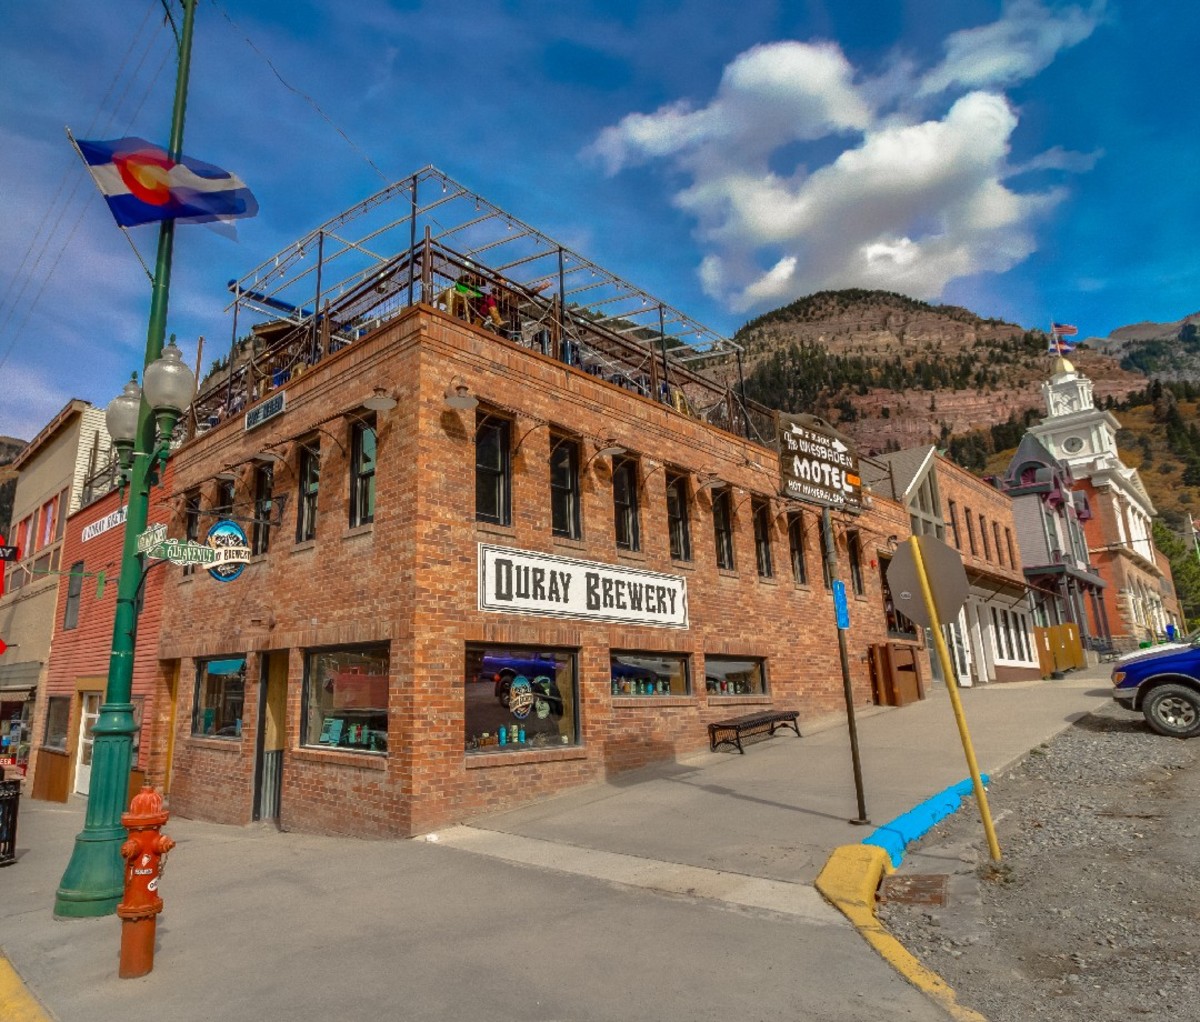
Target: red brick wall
410,581
83,652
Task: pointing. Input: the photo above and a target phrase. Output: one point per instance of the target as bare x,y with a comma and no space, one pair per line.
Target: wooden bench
731,730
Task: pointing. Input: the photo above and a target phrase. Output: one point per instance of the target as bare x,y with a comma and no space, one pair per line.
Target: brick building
495,553
77,674
991,639
51,482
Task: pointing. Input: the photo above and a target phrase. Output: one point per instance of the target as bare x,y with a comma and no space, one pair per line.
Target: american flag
1064,329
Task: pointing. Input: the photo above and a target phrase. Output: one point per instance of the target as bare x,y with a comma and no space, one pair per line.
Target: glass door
89,711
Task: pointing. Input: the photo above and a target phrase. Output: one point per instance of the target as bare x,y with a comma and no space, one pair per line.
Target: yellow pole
939,642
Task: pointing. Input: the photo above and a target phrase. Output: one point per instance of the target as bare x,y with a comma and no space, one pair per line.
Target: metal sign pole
939,641
831,563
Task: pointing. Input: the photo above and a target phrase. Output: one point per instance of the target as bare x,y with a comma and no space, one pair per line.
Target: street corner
18,1003
849,882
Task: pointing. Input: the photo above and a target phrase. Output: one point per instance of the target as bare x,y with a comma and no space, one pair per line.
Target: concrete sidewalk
683,891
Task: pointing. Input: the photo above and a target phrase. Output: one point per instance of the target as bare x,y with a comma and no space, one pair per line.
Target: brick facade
408,581
986,537
80,656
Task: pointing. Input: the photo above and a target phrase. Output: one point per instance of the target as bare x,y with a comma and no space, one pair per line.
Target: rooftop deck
428,239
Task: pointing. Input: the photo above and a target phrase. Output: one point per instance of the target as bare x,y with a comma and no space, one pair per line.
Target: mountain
1164,351
893,372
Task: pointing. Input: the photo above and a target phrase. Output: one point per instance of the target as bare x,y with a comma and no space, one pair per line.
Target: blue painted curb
894,837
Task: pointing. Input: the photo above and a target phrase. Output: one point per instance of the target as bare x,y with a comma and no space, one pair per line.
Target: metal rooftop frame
367,239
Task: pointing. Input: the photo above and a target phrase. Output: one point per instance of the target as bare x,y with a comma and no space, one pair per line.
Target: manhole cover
914,888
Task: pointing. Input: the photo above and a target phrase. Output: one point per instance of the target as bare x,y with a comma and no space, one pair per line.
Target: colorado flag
141,184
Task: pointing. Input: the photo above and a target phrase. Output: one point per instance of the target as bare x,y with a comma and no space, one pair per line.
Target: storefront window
58,716
735,676
346,699
649,674
220,691
520,698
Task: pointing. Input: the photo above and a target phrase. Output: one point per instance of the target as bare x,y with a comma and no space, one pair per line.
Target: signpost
929,584
818,464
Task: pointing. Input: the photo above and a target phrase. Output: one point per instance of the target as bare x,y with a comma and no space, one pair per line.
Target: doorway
89,712
268,759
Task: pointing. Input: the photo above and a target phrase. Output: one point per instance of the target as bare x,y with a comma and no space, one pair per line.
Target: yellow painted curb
17,1004
849,881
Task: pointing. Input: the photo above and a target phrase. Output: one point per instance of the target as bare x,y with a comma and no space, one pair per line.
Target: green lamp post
140,423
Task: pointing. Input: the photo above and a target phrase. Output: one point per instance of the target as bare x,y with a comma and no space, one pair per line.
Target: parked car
1164,684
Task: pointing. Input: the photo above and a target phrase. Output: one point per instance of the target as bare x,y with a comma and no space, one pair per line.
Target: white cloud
769,95
1023,42
912,201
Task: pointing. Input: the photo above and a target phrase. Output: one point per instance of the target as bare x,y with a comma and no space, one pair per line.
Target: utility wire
303,95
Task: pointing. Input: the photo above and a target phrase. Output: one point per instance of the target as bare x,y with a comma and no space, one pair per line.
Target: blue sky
1029,160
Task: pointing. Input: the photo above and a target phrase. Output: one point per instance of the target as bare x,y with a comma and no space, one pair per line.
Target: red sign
353,690
3,647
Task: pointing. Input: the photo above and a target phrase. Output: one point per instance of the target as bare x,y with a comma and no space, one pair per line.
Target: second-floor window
996,538
74,588
309,484
760,510
954,524
625,503
564,487
854,556
260,534
983,536
677,517
493,469
722,510
970,533
223,508
362,474
191,522
796,547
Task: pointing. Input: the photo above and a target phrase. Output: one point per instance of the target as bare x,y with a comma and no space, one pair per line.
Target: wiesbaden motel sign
525,582
817,465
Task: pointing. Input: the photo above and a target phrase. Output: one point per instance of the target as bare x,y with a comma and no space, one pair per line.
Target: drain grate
914,888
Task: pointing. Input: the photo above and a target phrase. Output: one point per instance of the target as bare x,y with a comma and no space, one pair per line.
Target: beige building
53,474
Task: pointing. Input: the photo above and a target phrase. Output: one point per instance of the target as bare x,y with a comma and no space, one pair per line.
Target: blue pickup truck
1165,685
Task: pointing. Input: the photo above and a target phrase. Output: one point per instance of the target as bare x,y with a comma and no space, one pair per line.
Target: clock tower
1075,430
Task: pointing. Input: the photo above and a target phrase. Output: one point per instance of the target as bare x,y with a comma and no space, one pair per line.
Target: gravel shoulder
1094,912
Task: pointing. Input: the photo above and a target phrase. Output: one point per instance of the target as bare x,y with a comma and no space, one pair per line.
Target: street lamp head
169,383
121,415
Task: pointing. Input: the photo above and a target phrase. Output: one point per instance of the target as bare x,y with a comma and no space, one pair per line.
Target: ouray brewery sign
522,582
817,465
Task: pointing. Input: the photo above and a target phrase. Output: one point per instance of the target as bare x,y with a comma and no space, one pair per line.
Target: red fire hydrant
144,853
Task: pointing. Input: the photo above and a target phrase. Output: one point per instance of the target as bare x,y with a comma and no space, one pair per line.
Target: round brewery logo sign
229,540
520,697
